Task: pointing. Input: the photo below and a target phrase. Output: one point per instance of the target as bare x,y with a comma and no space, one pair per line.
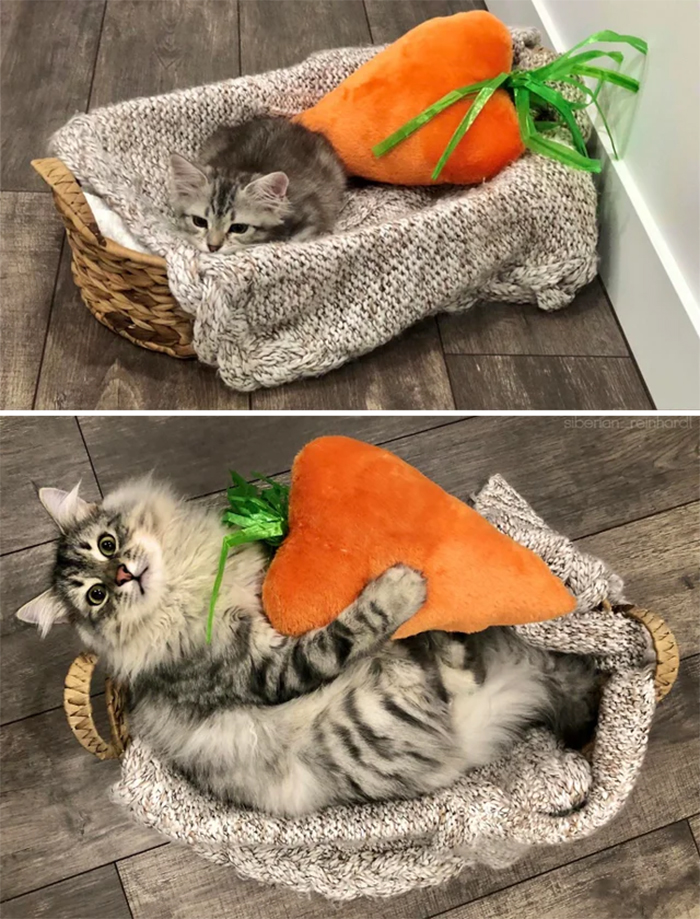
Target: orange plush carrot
433,59
356,509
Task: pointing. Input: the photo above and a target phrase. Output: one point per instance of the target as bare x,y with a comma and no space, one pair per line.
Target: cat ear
186,179
43,611
268,190
65,507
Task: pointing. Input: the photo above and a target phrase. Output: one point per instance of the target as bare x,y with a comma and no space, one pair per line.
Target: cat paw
400,592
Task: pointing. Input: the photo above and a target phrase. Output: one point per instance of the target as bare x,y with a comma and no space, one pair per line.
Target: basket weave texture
539,794
126,291
274,313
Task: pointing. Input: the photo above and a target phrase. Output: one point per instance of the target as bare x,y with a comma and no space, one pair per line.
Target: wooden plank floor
71,55
625,488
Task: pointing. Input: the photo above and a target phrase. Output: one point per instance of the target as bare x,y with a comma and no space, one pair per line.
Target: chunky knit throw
282,311
540,793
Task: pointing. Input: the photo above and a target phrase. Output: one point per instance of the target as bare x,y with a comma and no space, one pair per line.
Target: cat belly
237,756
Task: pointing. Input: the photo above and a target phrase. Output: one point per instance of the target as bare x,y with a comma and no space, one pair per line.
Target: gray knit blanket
278,312
541,793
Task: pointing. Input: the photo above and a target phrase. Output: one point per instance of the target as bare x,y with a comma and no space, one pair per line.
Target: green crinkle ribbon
530,93
259,515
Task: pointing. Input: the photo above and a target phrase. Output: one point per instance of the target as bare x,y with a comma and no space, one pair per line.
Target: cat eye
238,227
96,594
199,222
107,545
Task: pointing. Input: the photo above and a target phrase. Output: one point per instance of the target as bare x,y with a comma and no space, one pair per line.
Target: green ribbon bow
530,93
258,515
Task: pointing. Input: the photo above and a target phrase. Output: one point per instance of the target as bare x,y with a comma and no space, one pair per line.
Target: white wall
650,200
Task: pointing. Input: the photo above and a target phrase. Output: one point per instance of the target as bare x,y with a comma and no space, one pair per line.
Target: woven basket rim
52,170
80,716
126,291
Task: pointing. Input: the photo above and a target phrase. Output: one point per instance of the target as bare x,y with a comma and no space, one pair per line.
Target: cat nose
123,575
214,247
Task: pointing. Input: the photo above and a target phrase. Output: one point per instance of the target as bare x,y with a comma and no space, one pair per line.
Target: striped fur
290,725
264,181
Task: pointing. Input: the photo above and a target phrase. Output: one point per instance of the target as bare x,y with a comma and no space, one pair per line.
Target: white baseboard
654,304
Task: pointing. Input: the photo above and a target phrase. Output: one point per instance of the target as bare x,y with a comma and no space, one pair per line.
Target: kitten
340,715
264,181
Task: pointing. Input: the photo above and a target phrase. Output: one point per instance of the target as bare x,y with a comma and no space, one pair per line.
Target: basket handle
76,695
665,647
69,196
78,708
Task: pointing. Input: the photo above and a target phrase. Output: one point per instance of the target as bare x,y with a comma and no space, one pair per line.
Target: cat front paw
400,592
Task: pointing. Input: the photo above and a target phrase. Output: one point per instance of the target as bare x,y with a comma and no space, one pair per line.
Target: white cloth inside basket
111,225
540,794
274,313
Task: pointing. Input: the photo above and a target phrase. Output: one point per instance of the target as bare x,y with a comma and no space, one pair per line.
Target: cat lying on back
263,181
340,715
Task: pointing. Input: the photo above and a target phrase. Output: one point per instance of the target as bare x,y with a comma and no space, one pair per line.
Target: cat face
134,574
112,561
221,213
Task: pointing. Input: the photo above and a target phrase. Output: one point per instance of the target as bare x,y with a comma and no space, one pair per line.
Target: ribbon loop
531,88
259,515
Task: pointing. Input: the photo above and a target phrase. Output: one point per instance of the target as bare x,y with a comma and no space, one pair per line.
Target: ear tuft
43,611
187,180
268,190
66,508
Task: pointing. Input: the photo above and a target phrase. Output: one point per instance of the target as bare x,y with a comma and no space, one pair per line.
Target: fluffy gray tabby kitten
288,725
263,181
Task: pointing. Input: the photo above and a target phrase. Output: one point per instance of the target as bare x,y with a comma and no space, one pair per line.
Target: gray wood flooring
64,56
625,488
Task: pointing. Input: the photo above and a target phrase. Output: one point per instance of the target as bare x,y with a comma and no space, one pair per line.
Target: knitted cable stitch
540,793
278,312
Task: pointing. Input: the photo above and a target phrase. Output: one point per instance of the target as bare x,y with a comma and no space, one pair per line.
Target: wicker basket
125,290
76,696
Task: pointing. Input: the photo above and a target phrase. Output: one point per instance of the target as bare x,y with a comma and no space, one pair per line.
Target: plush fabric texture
356,509
425,64
540,794
279,312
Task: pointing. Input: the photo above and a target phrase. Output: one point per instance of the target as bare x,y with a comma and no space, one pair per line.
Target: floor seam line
535,877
